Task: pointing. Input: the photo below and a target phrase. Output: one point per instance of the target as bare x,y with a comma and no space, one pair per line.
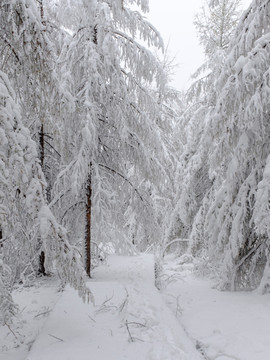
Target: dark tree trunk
88,225
42,149
1,237
89,201
41,145
42,12
42,270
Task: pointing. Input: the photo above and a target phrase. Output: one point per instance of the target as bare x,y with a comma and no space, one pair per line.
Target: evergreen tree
28,227
24,215
118,146
233,212
28,58
215,23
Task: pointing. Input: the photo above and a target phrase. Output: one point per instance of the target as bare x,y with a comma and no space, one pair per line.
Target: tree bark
41,145
1,237
42,270
88,225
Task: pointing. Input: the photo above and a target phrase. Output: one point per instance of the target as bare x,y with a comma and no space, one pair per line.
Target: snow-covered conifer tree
236,135
215,23
117,144
24,215
28,58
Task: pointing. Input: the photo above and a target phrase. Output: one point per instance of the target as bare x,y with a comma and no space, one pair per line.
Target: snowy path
129,321
132,320
226,325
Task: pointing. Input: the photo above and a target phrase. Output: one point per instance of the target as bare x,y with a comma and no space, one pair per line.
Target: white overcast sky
174,20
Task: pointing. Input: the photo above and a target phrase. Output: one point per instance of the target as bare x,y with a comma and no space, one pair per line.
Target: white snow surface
187,320
35,305
223,325
129,320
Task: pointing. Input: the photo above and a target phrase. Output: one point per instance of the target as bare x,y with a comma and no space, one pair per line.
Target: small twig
91,318
11,330
178,309
105,301
124,303
22,310
131,338
43,313
56,337
136,323
226,355
104,307
135,338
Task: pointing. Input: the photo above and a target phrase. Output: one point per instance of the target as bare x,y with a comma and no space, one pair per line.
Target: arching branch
123,177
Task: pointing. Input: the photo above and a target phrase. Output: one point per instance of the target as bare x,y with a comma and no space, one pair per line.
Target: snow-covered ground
35,305
128,321
223,325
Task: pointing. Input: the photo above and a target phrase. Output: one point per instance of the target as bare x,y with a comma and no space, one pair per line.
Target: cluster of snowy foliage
86,125
25,222
215,23
118,137
225,202
21,185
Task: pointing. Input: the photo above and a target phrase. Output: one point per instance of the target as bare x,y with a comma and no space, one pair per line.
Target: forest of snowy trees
98,154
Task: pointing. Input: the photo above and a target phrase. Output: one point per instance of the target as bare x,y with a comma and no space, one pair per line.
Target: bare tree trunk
1,237
42,12
88,225
42,270
42,151
41,144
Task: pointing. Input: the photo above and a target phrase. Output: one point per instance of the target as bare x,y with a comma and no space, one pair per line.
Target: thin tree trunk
88,225
41,144
89,204
42,12
42,270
